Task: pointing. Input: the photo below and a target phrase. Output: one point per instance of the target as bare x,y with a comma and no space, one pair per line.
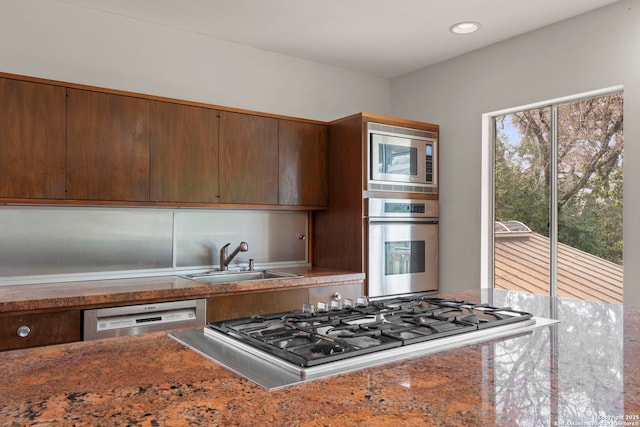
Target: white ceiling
385,38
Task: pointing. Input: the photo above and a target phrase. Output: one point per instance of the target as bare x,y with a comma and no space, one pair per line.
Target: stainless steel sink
239,276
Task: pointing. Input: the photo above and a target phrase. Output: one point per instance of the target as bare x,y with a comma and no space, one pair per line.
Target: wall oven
403,247
402,159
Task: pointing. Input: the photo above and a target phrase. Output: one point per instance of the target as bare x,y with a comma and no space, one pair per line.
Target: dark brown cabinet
248,159
344,222
184,153
83,145
233,306
302,163
32,140
40,329
107,146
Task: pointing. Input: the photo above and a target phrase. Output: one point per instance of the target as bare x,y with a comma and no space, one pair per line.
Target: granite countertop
97,293
582,371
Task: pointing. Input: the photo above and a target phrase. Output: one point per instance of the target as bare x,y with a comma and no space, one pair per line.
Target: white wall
55,40
593,51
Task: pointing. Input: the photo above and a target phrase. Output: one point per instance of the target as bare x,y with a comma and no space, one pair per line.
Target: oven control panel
402,208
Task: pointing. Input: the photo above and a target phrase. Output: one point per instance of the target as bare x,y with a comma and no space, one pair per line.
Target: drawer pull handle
24,331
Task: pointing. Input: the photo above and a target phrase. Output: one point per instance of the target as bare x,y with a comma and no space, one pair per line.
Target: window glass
588,151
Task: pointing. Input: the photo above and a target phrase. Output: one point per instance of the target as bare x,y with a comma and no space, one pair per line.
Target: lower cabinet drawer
34,330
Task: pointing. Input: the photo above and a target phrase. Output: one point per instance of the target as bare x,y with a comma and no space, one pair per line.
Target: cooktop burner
312,337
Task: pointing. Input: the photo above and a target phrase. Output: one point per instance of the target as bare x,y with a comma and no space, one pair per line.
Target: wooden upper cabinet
184,153
302,163
107,146
32,132
80,144
248,159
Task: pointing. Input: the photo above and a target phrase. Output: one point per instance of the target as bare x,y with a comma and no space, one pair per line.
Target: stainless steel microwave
402,159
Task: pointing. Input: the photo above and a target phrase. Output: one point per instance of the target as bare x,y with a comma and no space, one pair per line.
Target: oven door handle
373,220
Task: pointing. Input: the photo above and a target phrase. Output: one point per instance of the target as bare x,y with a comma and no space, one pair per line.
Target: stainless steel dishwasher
139,319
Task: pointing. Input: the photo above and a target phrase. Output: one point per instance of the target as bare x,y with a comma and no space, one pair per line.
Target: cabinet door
33,330
231,306
107,147
302,163
32,125
184,153
248,159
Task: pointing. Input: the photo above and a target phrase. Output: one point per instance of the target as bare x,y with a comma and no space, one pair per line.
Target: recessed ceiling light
466,27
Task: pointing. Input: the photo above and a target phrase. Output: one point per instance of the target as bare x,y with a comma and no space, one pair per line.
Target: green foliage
592,222
519,197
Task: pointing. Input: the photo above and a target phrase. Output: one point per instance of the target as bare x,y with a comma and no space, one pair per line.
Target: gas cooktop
282,349
315,336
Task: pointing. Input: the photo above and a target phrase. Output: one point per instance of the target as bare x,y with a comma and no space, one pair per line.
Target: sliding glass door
557,199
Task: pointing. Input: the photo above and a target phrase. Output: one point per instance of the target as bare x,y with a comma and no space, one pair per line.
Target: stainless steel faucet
225,259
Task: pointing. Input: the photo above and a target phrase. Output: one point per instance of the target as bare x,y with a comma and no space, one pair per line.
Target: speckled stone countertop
96,293
582,371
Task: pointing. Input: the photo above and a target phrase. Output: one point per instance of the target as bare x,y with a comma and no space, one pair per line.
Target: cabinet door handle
23,331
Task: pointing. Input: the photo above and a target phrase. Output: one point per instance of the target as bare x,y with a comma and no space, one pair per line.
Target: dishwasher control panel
139,319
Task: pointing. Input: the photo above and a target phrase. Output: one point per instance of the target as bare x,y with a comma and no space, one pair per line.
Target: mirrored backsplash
45,240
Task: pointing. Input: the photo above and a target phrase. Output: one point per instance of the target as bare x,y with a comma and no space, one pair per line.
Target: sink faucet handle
223,257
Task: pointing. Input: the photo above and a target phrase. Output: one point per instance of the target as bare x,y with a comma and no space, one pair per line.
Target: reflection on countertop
583,370
572,371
